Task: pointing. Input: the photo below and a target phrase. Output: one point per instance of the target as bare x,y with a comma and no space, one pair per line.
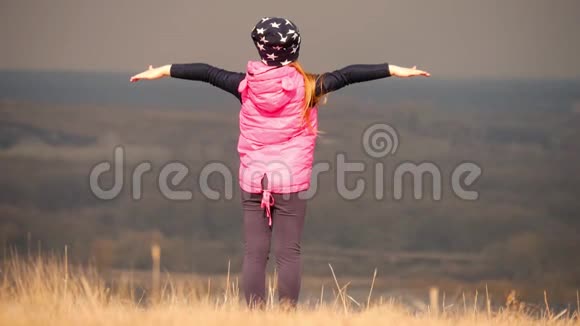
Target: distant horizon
114,88
129,73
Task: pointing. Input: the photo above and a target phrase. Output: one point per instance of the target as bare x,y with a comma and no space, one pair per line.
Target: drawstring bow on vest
267,200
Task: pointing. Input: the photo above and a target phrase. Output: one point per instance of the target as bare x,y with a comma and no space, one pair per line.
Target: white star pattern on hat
277,40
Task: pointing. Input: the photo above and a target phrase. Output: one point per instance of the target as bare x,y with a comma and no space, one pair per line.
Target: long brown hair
310,98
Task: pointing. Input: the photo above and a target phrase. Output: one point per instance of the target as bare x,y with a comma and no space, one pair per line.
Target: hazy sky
450,38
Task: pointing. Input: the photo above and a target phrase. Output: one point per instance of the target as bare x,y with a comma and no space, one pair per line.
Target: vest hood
270,88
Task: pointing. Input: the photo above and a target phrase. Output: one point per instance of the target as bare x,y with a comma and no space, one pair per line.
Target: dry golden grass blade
434,301
208,289
487,301
353,300
548,310
558,316
340,293
577,305
475,302
371,289
227,291
65,271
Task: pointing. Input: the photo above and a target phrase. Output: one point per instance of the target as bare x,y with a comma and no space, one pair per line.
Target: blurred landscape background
521,126
524,135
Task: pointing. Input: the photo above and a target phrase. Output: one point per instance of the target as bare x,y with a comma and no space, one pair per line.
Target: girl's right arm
223,79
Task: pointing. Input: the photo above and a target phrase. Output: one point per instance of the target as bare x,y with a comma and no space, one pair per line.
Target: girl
278,127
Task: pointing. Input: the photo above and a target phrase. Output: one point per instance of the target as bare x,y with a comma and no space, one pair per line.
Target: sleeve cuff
388,70
174,70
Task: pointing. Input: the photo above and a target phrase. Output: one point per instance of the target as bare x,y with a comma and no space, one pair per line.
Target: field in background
50,291
521,234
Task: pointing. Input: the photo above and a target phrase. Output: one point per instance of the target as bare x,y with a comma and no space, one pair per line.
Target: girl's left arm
335,80
223,79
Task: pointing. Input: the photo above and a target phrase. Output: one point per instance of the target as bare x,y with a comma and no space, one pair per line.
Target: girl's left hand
407,72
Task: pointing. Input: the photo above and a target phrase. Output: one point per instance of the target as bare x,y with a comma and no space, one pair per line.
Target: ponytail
310,98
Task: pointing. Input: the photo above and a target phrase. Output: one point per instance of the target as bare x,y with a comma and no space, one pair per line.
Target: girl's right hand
152,73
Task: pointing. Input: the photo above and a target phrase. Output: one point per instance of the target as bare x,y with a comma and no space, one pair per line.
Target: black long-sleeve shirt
327,82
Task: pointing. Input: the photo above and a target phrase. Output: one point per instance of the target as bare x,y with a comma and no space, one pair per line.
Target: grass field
49,291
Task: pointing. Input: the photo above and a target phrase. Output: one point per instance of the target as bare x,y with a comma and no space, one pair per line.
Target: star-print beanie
277,40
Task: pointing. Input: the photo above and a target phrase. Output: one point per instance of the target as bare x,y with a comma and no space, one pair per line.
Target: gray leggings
288,214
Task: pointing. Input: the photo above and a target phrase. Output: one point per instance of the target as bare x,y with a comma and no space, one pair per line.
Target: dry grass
50,292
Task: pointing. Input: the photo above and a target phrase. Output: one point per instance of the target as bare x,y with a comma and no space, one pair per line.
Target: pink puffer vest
273,140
